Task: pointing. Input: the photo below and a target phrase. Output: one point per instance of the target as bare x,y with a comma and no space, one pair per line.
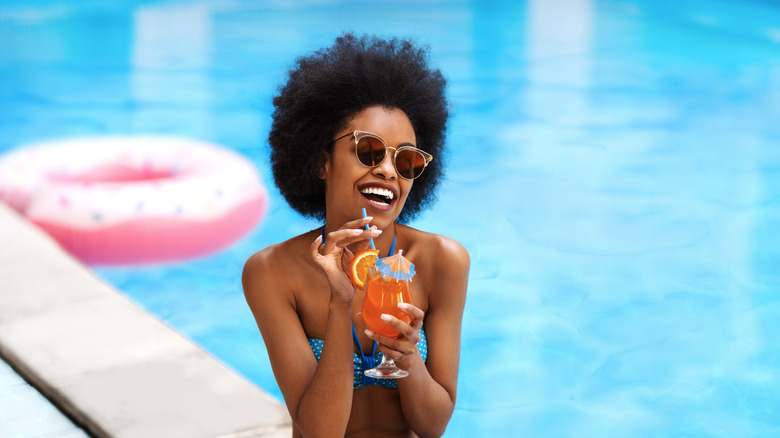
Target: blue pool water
614,173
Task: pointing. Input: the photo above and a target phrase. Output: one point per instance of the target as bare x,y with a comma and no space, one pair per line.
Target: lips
380,195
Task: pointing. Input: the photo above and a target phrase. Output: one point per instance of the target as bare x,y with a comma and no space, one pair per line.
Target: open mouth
378,195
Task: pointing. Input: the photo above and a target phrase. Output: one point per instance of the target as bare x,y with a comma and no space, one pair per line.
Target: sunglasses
371,150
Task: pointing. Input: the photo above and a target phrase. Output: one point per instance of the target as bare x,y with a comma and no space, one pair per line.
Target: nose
385,169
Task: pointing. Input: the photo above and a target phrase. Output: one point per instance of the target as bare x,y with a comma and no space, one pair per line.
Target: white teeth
377,191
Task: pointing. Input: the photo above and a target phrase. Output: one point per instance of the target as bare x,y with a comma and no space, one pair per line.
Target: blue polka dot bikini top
363,361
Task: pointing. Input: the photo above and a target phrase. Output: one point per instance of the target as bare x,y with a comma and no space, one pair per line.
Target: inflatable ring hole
112,173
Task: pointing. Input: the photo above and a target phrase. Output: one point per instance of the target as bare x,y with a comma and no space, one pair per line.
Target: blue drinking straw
370,241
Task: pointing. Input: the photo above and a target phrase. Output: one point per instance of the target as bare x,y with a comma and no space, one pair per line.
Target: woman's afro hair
332,85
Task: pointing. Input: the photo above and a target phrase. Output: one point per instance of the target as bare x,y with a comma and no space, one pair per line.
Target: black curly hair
332,85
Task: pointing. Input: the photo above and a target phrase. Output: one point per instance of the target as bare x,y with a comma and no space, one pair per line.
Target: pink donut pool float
134,200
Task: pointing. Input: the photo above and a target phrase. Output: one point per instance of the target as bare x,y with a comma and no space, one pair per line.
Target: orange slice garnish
358,271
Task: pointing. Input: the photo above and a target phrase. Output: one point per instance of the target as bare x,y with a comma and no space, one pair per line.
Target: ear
325,168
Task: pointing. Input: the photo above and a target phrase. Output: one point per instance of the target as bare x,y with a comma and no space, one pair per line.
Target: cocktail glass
383,294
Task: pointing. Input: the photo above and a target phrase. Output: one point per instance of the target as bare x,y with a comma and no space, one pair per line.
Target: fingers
345,236
397,349
393,344
363,245
415,312
406,343
314,250
346,259
407,332
331,252
358,223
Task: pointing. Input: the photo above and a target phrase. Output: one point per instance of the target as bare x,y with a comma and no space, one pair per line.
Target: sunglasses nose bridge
368,155
386,167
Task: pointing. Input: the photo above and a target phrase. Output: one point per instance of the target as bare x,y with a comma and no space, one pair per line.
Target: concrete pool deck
114,369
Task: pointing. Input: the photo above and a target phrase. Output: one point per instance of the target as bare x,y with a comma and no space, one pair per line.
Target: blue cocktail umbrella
396,267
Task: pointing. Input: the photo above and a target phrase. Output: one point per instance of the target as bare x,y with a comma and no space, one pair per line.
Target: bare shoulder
452,252
445,251
442,264
260,263
266,271
443,279
257,279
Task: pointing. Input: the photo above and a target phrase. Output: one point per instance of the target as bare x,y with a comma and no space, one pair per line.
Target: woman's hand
335,258
403,349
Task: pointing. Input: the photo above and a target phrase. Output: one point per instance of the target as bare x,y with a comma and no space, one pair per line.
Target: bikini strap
368,361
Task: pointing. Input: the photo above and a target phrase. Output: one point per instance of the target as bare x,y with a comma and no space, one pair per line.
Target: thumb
361,246
314,249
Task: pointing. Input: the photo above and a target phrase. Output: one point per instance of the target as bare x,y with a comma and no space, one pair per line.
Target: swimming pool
614,173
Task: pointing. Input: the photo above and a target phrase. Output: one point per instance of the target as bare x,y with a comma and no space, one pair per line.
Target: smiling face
351,186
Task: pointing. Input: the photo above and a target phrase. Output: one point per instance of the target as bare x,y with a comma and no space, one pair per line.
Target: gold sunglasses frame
358,135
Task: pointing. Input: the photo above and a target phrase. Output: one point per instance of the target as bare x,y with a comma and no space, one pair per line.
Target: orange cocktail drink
387,285
383,294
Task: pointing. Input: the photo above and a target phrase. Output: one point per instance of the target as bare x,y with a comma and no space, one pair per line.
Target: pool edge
114,369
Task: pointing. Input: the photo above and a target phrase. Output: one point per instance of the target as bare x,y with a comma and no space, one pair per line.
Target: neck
385,240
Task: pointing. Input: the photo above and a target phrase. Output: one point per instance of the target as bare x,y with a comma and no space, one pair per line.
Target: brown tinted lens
409,163
370,151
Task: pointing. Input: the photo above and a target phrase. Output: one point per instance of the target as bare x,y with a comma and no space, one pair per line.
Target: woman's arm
304,382
428,393
318,394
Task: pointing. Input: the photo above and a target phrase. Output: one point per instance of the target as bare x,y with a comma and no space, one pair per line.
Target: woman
368,93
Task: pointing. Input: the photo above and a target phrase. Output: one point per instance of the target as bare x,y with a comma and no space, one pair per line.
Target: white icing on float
131,200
